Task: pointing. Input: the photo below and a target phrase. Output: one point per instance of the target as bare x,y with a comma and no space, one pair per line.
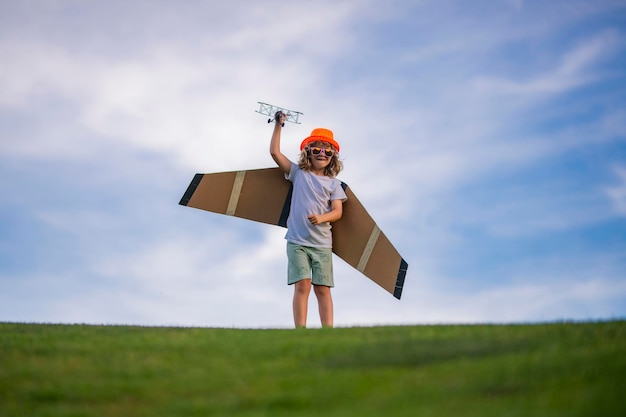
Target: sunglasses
317,151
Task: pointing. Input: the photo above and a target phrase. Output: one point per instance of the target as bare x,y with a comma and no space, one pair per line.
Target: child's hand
280,117
315,219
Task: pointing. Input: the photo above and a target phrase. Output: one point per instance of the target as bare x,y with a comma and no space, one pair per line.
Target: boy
317,201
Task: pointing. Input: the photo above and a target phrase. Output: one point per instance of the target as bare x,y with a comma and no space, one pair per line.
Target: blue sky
487,139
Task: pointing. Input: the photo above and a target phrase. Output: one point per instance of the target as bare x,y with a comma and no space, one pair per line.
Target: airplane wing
270,110
264,195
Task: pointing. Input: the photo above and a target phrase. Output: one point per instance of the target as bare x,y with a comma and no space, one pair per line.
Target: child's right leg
301,292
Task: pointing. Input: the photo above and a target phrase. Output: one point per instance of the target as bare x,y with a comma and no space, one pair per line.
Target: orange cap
322,135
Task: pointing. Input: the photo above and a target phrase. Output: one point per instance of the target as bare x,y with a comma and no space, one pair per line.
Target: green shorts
305,262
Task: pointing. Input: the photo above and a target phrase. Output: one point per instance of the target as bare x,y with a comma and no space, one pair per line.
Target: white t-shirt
312,194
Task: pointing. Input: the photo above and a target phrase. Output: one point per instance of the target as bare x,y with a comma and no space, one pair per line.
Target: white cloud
617,193
199,273
194,102
536,293
553,300
576,68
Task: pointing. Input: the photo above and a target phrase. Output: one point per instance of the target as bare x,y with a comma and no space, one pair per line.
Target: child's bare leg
325,304
301,292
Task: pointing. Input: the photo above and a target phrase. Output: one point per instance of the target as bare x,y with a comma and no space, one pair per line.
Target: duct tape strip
234,195
367,252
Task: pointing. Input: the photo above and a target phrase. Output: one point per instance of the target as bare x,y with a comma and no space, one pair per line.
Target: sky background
486,138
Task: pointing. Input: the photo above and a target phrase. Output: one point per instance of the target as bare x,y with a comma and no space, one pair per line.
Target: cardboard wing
264,195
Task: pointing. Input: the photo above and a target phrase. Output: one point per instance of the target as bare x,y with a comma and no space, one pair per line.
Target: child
316,202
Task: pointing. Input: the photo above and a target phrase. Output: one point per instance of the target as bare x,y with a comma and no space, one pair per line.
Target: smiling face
321,158
320,154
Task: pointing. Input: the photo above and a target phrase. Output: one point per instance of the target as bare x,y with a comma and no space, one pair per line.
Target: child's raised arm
281,160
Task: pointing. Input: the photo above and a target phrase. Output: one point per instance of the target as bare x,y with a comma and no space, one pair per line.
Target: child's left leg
325,304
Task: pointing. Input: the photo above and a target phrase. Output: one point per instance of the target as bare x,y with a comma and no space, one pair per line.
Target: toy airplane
264,195
271,110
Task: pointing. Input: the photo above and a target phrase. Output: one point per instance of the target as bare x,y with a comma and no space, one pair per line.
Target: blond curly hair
332,169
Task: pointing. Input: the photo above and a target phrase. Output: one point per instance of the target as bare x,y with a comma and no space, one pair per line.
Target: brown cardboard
264,195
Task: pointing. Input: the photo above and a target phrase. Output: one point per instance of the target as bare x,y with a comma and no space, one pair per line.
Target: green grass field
560,369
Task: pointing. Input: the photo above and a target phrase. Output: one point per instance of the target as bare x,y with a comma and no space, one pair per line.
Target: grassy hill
559,369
